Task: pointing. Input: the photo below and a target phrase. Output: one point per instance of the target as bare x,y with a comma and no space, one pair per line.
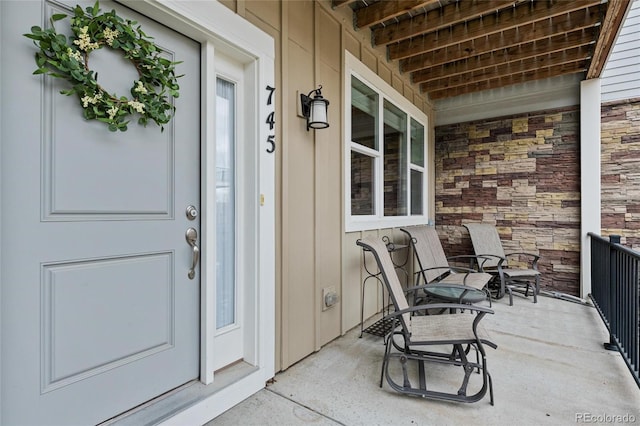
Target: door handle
192,237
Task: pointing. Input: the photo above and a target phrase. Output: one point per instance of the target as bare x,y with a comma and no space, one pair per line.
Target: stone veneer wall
621,171
521,173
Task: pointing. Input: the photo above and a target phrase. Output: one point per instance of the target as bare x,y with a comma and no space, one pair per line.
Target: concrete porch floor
550,368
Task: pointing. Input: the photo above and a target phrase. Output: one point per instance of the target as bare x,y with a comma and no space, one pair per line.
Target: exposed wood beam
385,10
495,83
573,55
616,11
524,14
518,52
437,19
453,47
530,32
338,3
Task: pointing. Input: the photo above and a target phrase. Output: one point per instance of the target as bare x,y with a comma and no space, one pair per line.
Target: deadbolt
192,213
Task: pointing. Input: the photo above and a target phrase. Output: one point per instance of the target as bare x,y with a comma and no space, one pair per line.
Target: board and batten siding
312,250
621,76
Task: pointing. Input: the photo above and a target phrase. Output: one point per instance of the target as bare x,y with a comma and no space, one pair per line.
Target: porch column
590,175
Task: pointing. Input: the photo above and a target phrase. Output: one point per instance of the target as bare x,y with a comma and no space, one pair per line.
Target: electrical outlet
329,297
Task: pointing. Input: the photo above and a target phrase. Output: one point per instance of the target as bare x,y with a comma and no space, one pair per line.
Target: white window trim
360,223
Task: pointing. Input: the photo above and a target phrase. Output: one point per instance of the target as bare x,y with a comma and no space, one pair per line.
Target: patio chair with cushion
433,264
487,245
417,340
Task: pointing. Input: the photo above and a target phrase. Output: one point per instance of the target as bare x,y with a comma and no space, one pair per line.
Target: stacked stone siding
621,171
521,173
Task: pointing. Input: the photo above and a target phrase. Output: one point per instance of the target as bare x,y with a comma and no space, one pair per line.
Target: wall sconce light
315,109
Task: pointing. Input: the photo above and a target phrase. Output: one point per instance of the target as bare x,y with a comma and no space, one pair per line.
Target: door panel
91,292
98,314
146,189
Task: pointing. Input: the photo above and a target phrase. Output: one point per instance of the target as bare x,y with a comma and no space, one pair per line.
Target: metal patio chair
487,245
433,264
418,340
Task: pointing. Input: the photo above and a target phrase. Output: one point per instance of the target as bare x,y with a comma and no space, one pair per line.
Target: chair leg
468,369
405,375
385,360
490,387
362,310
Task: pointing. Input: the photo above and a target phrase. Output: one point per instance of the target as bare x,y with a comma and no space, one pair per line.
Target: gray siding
621,76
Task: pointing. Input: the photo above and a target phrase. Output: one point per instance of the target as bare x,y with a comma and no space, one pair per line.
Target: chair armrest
480,309
534,256
445,269
472,258
456,269
486,257
449,268
463,269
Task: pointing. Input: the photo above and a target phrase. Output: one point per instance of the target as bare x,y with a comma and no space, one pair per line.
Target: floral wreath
69,60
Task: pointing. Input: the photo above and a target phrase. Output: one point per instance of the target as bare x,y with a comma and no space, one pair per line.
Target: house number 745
271,121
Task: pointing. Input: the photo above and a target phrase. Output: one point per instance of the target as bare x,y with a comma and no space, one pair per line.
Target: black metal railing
615,292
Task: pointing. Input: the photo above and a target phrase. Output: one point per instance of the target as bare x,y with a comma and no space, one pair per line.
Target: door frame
218,28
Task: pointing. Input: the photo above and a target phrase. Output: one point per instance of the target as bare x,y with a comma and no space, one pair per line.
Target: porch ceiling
453,47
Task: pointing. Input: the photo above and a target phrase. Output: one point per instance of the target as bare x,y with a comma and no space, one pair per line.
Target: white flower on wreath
140,88
138,106
110,35
74,54
112,112
84,42
86,100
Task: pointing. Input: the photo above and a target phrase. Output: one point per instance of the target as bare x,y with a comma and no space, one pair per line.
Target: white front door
98,313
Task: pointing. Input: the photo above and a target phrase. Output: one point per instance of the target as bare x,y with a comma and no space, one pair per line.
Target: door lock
192,213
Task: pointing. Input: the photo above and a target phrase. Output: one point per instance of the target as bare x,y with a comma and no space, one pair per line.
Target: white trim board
520,98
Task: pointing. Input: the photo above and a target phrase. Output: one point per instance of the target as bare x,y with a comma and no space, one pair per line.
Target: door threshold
181,398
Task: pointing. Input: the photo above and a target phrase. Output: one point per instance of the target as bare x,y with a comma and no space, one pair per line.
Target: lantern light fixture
315,109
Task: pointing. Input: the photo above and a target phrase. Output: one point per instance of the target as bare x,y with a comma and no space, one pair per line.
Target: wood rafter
511,19
437,19
557,26
338,3
383,11
573,55
453,47
558,44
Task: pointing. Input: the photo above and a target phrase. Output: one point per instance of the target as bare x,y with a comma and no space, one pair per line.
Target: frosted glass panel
225,204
